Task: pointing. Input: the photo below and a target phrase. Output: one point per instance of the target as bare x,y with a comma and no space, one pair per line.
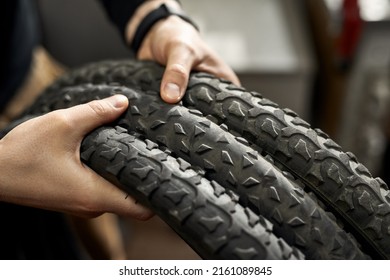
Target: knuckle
178,70
186,47
98,107
88,207
61,119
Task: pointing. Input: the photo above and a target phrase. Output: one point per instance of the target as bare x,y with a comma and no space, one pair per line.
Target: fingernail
118,101
172,91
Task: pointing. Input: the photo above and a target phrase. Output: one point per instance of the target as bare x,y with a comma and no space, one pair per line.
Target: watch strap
163,11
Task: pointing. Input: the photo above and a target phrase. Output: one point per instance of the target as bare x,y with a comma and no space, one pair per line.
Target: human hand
178,45
40,164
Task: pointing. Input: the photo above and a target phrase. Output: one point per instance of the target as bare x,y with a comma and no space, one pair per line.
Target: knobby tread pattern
336,177
202,212
226,159
206,215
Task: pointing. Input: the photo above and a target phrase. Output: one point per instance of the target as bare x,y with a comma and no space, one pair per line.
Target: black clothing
28,233
31,234
18,36
120,11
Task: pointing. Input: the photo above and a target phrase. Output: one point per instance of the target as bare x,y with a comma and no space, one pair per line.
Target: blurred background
328,60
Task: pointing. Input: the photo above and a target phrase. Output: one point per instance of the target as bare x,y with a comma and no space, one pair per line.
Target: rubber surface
336,177
227,159
344,185
207,217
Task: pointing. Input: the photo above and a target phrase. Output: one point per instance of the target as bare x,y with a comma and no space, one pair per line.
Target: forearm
127,14
140,13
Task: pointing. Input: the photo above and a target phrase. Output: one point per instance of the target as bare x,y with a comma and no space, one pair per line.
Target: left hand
178,45
40,164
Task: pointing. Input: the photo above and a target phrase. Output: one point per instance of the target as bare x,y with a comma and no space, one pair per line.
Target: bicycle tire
337,178
202,212
210,220
297,218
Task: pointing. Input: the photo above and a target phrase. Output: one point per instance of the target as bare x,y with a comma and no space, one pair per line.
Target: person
40,166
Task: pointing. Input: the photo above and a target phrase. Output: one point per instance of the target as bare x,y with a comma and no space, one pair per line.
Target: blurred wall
265,41
77,32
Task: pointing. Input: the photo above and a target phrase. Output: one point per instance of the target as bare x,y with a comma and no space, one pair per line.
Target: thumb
87,117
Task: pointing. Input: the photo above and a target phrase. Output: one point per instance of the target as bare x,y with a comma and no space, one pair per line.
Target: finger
127,206
219,68
88,116
176,74
109,198
117,201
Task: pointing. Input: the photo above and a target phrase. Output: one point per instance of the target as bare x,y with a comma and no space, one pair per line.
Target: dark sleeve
120,11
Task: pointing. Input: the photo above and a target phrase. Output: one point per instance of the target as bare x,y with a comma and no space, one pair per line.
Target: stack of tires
233,174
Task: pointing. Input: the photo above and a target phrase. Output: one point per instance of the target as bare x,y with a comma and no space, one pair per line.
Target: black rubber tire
202,212
226,159
344,185
209,219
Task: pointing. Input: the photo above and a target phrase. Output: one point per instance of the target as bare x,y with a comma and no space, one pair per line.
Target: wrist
142,11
